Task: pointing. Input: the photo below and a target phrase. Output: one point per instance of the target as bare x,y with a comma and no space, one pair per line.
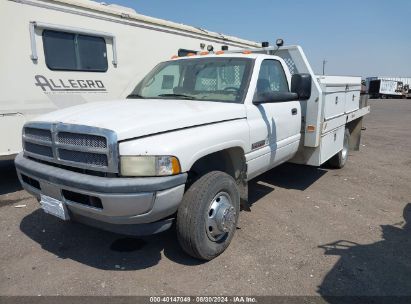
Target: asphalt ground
310,231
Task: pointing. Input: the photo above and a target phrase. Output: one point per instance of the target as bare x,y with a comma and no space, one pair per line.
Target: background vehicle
406,82
382,88
184,145
406,91
60,53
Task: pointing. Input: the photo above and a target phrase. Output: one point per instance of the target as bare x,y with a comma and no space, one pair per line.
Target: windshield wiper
177,96
135,96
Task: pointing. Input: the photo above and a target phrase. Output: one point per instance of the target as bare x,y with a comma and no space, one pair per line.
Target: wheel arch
230,160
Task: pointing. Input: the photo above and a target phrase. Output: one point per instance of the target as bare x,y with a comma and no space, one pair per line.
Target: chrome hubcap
220,218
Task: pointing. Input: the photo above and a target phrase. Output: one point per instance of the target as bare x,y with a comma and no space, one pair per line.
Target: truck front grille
86,140
38,149
93,159
72,145
38,134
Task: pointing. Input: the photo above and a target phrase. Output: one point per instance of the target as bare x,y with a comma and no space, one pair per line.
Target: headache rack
77,146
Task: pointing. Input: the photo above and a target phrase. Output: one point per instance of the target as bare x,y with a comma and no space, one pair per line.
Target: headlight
149,165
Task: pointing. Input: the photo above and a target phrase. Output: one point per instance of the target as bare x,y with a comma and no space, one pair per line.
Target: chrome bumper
121,201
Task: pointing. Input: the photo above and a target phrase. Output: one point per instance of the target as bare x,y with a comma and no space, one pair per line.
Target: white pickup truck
184,144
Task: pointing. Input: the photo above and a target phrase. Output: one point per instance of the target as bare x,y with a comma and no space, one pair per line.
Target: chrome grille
84,157
72,145
38,149
85,140
38,134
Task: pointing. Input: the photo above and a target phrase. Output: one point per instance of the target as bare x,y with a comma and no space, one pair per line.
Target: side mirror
301,85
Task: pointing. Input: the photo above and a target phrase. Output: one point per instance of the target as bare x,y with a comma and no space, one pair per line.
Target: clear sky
356,37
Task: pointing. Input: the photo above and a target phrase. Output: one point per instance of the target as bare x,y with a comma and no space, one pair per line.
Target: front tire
339,160
208,215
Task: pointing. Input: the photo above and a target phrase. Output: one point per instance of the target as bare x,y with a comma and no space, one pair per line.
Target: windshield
211,79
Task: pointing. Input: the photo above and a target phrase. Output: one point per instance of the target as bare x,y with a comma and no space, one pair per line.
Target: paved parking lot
310,231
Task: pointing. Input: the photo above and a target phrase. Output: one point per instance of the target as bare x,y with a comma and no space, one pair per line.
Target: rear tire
208,214
339,160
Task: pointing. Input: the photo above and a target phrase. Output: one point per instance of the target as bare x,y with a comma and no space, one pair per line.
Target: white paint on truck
135,119
186,141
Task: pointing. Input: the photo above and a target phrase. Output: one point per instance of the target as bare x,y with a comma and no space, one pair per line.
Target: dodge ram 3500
185,142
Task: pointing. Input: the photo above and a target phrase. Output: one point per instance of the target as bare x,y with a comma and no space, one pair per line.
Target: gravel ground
310,231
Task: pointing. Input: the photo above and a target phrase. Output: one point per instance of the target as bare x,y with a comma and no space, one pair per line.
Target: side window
92,52
74,52
271,78
59,49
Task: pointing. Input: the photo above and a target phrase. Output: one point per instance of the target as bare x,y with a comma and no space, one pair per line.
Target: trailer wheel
339,160
207,217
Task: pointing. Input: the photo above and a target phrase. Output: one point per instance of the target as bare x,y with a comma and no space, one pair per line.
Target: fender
191,144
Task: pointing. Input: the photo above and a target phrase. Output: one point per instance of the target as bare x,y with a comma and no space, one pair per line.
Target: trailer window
74,52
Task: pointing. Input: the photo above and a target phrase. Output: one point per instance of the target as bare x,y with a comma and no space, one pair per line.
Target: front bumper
122,201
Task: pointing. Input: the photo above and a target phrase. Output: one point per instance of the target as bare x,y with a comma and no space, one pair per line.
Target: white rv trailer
60,53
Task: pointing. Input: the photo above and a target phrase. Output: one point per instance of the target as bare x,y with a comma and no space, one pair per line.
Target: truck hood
132,118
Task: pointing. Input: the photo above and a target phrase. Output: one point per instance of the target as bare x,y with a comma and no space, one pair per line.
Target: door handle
294,111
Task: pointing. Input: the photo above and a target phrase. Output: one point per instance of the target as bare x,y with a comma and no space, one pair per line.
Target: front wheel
339,160
207,217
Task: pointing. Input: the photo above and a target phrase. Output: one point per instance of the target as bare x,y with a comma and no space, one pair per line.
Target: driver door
274,126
